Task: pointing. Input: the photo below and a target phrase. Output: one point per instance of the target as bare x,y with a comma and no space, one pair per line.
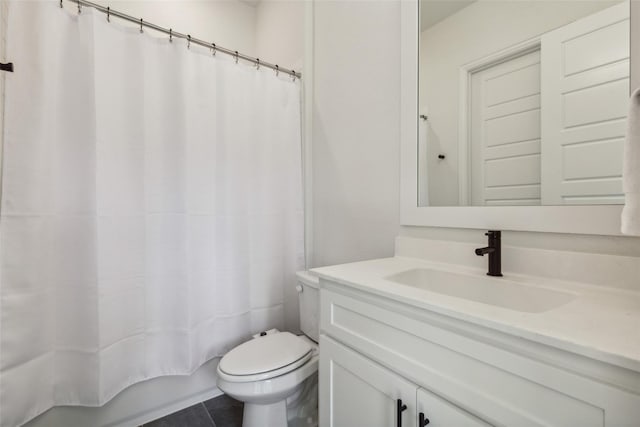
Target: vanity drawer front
498,386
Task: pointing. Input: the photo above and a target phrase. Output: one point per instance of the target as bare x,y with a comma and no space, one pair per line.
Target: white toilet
266,370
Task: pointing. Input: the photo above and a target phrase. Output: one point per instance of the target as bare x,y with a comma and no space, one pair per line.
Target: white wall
483,28
3,58
229,23
356,89
635,46
272,30
280,32
356,144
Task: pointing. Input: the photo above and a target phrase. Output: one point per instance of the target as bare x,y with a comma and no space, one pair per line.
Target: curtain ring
170,35
108,14
277,69
294,75
257,63
79,8
141,30
188,41
61,6
236,55
213,49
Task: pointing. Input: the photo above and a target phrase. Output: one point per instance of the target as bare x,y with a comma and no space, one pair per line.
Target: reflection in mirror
522,102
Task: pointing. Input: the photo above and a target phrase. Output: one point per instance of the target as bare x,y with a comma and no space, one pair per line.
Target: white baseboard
140,403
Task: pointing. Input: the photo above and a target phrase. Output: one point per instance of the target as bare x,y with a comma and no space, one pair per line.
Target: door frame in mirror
464,104
596,219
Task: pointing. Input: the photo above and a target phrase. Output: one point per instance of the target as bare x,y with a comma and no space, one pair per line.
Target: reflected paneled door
505,132
585,91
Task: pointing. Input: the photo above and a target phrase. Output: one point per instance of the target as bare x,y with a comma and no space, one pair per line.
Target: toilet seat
265,357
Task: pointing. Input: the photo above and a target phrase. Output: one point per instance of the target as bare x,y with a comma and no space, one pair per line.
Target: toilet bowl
265,371
265,386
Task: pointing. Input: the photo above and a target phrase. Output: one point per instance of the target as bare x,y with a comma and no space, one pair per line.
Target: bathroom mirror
566,42
522,102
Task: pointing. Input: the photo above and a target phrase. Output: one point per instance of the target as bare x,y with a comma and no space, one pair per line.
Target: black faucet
494,251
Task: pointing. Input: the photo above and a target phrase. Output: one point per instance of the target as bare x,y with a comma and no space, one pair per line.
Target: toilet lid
263,354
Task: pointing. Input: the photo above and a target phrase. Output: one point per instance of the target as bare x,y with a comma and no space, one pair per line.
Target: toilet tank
309,304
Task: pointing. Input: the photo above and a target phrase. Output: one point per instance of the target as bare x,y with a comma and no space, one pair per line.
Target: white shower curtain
151,208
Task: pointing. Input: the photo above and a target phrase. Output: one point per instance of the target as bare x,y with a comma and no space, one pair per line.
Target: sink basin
495,291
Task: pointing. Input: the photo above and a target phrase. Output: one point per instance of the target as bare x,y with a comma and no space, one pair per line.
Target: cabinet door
355,391
441,413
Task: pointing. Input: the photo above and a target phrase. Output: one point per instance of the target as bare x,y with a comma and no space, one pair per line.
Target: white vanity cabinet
439,412
375,350
360,392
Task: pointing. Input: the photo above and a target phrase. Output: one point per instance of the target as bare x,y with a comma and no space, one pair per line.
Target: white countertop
600,323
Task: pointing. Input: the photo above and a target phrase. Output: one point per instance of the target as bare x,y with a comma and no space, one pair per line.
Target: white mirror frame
603,219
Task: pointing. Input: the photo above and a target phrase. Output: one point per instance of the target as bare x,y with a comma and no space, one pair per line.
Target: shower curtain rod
110,12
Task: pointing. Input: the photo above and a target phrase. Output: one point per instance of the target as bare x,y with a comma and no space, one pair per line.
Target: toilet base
272,415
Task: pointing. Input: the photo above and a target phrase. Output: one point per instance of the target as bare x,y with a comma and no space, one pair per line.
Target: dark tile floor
221,411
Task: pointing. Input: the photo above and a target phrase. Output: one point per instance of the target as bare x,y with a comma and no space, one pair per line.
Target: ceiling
434,11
